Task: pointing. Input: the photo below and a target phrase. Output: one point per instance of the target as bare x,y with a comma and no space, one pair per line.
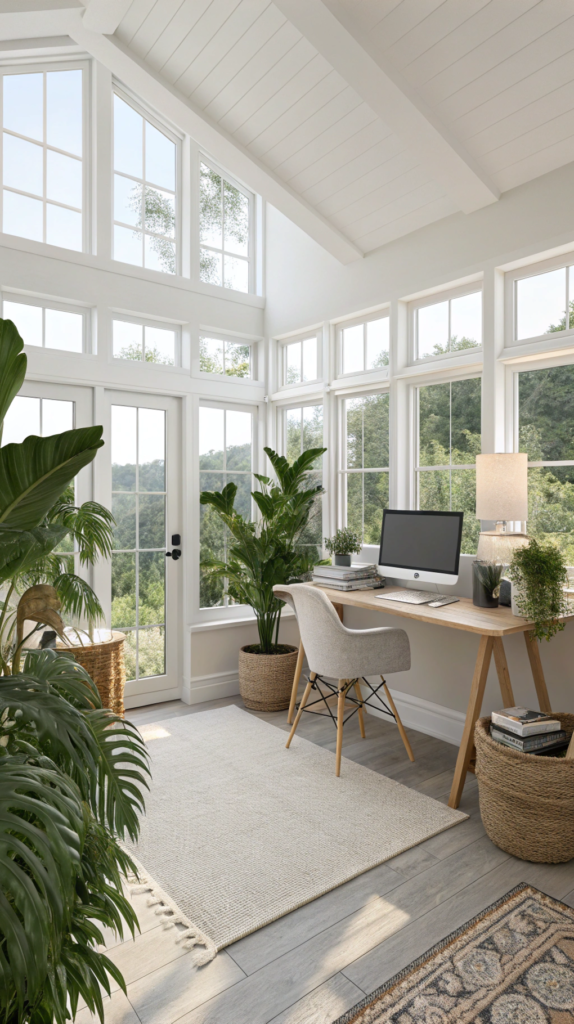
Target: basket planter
526,801
104,663
265,680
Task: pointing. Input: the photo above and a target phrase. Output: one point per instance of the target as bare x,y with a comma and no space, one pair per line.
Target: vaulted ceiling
362,120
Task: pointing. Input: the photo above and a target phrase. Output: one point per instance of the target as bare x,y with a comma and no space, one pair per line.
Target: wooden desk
490,624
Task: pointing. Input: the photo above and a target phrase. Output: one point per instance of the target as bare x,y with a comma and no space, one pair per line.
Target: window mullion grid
450,441
142,199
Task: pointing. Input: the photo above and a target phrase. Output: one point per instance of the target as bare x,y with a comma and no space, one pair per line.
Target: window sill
442,364
205,627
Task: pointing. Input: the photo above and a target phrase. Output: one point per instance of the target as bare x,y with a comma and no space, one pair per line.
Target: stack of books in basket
530,732
348,577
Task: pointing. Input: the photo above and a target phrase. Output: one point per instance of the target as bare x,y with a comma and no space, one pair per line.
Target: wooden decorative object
104,663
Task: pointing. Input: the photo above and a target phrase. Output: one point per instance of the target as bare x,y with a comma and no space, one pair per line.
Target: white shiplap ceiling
362,119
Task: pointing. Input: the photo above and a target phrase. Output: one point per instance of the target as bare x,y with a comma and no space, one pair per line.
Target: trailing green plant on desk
538,574
71,772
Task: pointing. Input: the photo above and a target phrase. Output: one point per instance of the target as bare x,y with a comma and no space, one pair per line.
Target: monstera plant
72,773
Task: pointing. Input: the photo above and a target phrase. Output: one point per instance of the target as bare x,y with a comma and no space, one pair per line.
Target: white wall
306,286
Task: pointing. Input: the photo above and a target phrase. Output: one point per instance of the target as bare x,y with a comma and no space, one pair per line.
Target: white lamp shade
502,486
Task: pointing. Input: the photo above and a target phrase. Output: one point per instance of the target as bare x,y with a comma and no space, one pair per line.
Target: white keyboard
418,597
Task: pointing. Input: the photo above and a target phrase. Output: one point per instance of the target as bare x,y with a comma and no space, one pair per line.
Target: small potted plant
486,578
538,574
342,545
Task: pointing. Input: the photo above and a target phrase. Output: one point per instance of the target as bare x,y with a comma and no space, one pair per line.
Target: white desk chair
348,655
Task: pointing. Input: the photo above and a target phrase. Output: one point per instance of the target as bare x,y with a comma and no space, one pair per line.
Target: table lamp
502,496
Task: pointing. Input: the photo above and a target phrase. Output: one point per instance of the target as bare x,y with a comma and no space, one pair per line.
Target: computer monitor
422,546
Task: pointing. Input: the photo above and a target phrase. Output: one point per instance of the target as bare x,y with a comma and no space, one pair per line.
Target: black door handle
175,554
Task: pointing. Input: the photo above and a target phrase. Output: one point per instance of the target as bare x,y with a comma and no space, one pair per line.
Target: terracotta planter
266,680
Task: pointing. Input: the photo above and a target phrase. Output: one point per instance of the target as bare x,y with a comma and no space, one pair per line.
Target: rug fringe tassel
171,915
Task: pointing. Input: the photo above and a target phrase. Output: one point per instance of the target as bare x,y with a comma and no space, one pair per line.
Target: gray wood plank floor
315,963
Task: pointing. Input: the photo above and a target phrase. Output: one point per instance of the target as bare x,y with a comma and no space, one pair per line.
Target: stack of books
348,577
530,732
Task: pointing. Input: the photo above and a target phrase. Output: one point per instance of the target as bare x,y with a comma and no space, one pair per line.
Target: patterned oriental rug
513,964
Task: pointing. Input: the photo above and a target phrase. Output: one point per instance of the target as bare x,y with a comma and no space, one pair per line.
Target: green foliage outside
159,217
368,449
71,772
267,553
455,345
151,355
561,325
305,431
223,222
236,363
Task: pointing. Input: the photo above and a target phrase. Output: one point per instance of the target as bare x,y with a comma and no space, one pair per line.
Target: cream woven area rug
240,831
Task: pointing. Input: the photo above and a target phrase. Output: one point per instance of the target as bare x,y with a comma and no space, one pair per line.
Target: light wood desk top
462,615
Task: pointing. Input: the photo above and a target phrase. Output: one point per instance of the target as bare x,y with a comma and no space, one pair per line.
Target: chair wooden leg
301,706
400,725
296,680
360,711
340,718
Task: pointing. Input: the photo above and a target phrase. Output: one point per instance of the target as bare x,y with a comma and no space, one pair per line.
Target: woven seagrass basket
104,663
265,680
526,801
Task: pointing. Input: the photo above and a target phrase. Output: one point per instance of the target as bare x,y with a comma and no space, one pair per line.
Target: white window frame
35,67
59,305
342,470
225,611
251,258
416,468
167,130
281,410
511,278
343,325
142,321
444,295
283,345
232,339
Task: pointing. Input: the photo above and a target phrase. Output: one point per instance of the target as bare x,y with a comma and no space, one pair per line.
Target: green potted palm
72,773
262,555
342,545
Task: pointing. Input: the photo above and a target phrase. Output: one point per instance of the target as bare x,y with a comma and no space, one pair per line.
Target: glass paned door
143,468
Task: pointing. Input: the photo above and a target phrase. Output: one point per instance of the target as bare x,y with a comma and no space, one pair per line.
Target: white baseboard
202,688
141,700
424,716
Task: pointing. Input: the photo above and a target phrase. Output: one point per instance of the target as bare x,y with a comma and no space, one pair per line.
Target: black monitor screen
421,540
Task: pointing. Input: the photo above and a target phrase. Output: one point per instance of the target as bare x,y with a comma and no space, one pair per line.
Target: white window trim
432,300
169,131
165,325
32,66
229,612
511,278
252,253
233,339
282,346
62,305
342,470
382,372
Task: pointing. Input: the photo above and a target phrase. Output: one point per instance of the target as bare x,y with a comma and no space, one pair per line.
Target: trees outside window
144,343
42,149
225,215
543,303
300,361
451,325
366,467
365,346
546,434
449,427
229,358
303,429
225,456
144,191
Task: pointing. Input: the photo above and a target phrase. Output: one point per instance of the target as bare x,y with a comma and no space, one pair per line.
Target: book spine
530,743
534,729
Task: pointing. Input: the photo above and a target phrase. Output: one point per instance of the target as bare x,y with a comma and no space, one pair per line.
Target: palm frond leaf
13,364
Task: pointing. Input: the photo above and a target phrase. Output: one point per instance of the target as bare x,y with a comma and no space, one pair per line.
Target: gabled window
225,231
144,191
46,326
42,151
225,357
450,325
145,342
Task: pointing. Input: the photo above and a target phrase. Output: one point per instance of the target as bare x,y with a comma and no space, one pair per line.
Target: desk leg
473,711
295,688
533,648
339,609
503,673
